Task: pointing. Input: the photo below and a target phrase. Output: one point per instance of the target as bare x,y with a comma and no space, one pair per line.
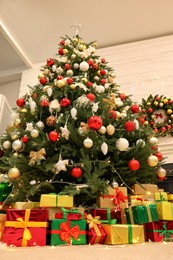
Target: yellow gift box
25,205
170,196
55,200
142,189
160,196
2,224
123,234
165,210
137,199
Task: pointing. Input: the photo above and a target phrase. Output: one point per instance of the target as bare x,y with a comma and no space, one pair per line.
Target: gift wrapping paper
96,235
160,196
142,189
25,227
55,200
2,224
25,205
170,197
68,232
137,199
159,231
106,215
141,214
165,210
123,234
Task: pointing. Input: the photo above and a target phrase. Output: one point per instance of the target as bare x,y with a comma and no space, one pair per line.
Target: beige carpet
146,251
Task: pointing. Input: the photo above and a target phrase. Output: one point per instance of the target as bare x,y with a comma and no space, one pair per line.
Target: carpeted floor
146,251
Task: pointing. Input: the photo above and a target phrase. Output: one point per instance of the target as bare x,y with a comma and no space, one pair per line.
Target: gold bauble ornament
17,122
102,130
110,129
152,160
75,40
171,116
14,136
73,86
148,104
169,111
156,103
84,80
153,116
161,104
46,72
145,122
65,51
88,143
165,101
23,110
13,173
161,172
6,145
41,75
110,79
60,83
34,133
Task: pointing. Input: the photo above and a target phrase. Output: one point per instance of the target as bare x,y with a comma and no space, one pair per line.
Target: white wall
142,68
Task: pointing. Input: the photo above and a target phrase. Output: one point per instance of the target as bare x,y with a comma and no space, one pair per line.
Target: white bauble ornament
33,182
49,92
119,103
153,140
13,173
17,145
40,125
100,88
69,73
73,56
34,133
73,113
88,143
6,145
110,129
54,105
152,160
102,130
118,114
136,124
84,66
67,42
54,68
122,144
14,116
141,142
76,66
104,148
161,172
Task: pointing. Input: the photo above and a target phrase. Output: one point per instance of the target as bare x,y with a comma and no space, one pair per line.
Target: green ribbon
161,198
130,236
68,211
164,232
109,220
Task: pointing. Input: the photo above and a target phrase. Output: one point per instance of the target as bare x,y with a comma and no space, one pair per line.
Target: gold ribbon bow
37,156
93,221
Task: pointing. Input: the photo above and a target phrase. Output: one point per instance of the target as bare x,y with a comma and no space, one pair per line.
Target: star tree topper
77,27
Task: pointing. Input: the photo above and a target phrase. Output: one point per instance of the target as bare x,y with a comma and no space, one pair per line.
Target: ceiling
31,30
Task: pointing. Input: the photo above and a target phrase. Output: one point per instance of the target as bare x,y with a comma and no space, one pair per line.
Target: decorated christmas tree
76,132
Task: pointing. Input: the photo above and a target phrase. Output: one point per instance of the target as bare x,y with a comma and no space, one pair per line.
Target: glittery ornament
51,120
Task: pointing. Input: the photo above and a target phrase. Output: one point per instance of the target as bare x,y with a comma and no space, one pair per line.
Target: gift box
170,197
141,214
117,197
159,231
160,196
123,234
68,232
142,189
25,205
137,199
2,224
96,233
165,210
69,214
55,200
25,227
109,216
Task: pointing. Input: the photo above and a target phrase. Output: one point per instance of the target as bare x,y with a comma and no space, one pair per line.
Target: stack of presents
117,219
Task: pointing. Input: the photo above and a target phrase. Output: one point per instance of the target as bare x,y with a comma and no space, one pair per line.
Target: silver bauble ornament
34,133
13,173
161,172
122,144
6,145
140,142
40,125
114,184
17,145
88,143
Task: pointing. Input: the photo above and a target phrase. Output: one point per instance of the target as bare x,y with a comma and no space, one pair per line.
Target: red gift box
96,233
25,227
159,231
108,216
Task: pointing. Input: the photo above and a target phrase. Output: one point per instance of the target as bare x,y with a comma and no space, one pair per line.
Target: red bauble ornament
65,102
112,114
50,62
60,77
135,109
95,66
163,129
69,81
43,81
103,81
170,101
76,172
159,156
102,72
161,178
129,126
95,122
62,42
44,103
20,102
168,127
157,98
103,60
25,139
1,153
89,84
53,136
67,66
155,130
91,96
150,110
90,62
134,165
60,51
122,96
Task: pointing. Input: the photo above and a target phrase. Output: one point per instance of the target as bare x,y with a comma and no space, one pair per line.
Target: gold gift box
25,205
160,196
106,201
123,234
2,224
170,196
144,189
137,199
165,210
55,200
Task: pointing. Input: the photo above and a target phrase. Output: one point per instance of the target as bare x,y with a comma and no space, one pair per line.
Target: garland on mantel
157,112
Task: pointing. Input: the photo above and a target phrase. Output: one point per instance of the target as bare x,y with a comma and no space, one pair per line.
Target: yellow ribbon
37,156
92,221
20,223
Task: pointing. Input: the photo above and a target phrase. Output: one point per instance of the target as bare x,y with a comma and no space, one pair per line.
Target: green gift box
141,214
68,232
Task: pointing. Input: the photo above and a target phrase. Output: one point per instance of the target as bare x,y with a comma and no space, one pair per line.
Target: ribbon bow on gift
119,197
66,232
92,221
36,157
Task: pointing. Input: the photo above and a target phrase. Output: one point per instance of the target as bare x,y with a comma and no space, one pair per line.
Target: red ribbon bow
158,115
119,197
66,232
